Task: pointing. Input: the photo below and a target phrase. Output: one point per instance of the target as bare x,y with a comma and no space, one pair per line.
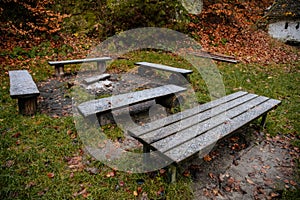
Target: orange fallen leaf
286,181
211,175
139,190
110,174
186,173
50,175
16,135
274,195
207,158
69,132
250,181
293,183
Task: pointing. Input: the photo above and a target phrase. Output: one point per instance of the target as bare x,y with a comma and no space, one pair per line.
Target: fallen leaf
69,132
211,175
215,191
162,171
230,181
250,181
82,192
286,181
293,183
221,177
228,189
207,158
263,170
121,183
274,194
139,190
110,174
50,175
186,173
16,135
267,167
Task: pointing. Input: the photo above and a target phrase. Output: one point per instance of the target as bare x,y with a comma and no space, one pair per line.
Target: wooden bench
162,95
179,136
25,90
147,65
59,65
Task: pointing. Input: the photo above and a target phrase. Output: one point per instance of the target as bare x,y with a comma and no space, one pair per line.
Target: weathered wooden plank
141,130
211,122
94,79
22,84
216,57
169,130
164,68
200,142
79,61
122,100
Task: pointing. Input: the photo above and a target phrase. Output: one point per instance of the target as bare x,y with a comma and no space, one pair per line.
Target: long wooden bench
162,95
147,65
25,90
59,65
195,130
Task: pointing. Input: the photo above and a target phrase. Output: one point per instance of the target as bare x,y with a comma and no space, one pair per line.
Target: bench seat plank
164,68
122,100
22,84
201,117
201,127
140,130
199,143
177,136
79,61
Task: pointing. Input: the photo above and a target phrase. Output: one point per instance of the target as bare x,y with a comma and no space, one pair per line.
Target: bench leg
101,66
146,154
263,121
59,70
173,172
27,106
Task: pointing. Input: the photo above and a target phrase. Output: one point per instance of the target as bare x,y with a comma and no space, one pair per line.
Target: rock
94,79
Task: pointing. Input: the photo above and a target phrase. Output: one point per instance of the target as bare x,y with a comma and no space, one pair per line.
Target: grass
42,158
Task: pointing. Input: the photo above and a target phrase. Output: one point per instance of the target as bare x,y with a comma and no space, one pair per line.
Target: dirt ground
260,170
247,165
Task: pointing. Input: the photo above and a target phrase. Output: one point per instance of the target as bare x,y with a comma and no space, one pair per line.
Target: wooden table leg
263,121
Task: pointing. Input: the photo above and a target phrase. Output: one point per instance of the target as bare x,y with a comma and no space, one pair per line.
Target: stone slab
94,79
